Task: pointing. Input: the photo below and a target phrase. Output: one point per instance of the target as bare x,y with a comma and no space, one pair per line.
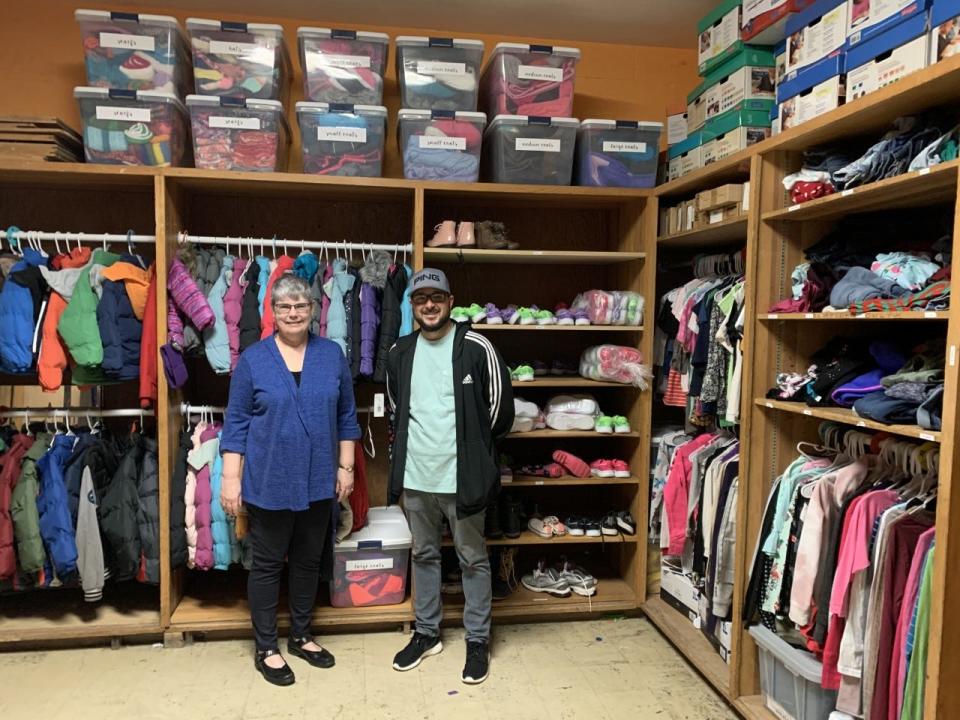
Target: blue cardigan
289,436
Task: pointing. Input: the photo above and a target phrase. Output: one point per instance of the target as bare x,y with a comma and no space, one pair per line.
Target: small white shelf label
442,142
808,412
122,41
342,133
926,436
125,114
222,47
537,145
923,171
792,208
234,123
845,193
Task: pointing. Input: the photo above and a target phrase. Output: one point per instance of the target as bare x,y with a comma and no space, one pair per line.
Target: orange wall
43,61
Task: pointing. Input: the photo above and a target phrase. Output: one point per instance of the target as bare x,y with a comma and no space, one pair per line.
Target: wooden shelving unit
847,417
569,481
524,257
908,316
567,382
613,595
559,328
549,434
720,235
531,538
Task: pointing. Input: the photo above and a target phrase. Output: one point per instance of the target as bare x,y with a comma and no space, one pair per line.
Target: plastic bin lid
537,49
386,529
101,15
527,120
314,32
98,93
798,662
227,25
594,124
466,115
321,107
424,41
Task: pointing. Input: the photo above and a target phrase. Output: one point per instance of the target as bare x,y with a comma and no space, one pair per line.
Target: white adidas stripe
493,370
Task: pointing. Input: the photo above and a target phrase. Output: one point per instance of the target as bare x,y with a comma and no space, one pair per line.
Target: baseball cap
429,279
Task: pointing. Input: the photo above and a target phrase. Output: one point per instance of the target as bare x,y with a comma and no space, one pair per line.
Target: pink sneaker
574,465
620,469
602,468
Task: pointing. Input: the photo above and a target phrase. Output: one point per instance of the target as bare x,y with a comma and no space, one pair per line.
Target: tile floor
594,669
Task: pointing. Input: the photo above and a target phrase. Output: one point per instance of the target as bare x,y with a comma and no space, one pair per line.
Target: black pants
301,538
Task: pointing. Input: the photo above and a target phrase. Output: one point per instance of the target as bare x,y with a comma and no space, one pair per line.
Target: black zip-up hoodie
483,398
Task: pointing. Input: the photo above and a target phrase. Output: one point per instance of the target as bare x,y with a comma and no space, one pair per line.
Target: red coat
148,346
9,473
284,265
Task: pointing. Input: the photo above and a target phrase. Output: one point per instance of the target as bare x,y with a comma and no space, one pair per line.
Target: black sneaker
609,524
281,676
511,516
576,525
477,667
491,522
591,527
419,647
626,523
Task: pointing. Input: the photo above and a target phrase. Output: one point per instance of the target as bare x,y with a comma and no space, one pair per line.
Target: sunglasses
436,298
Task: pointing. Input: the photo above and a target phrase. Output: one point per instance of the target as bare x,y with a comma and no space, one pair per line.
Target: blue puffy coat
120,332
18,318
216,340
225,547
56,525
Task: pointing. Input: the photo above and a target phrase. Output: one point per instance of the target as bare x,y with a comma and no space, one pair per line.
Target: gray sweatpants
425,512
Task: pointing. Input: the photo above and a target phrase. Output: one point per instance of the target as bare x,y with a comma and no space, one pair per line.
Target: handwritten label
317,61
442,142
122,41
372,564
234,123
436,67
225,47
537,145
538,72
125,114
342,134
612,146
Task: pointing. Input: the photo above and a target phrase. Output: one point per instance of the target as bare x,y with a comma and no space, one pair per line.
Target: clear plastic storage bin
441,144
129,51
530,150
238,134
370,566
618,153
128,127
438,73
790,680
238,59
343,66
529,80
342,139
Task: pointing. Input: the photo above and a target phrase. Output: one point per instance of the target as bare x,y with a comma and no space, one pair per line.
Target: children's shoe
465,236
603,424
459,314
524,408
620,424
545,317
546,580
510,315
476,313
564,316
580,581
608,525
526,316
575,526
444,235
551,470
574,465
620,469
626,523
562,367
540,368
592,527
602,468
494,314
541,422
580,317
522,373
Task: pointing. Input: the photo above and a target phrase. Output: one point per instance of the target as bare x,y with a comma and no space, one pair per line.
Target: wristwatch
348,468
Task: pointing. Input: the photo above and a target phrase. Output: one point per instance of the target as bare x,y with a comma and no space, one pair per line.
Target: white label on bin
538,145
612,146
342,134
123,41
234,123
442,142
227,47
321,60
385,563
716,216
435,67
127,114
538,72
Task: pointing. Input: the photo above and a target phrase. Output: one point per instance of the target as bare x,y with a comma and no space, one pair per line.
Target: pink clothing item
284,265
675,492
189,500
232,308
830,676
203,499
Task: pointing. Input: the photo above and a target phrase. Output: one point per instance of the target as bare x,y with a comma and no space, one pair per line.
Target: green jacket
23,509
78,324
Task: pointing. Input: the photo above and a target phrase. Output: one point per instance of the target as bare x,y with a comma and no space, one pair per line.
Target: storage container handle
443,114
440,42
538,120
343,108
369,545
343,34
129,16
231,26
548,49
629,124
236,102
120,94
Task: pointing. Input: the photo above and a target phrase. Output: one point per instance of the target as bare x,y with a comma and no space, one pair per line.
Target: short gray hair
289,286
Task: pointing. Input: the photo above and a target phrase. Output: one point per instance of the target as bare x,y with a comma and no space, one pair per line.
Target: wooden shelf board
85,176
561,328
535,480
549,433
690,642
613,594
920,188
846,316
532,195
847,417
723,233
735,168
752,707
531,538
525,257
61,614
561,381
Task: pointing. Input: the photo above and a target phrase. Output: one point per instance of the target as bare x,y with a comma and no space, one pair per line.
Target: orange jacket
284,265
135,280
148,344
52,359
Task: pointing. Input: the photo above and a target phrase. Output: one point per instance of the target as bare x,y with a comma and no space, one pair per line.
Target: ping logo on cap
433,277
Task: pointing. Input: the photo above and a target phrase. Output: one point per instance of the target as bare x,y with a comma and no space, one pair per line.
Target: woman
287,445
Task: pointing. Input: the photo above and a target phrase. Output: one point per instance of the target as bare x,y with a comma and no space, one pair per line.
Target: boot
465,237
491,522
511,516
491,235
444,235
505,577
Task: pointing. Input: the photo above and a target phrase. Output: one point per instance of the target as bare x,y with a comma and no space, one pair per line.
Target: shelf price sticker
769,405
772,316
930,314
808,316
793,207
861,423
845,193
808,412
538,482
926,436
923,171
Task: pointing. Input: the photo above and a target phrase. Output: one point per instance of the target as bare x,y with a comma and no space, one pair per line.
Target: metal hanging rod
286,243
187,409
75,412
80,237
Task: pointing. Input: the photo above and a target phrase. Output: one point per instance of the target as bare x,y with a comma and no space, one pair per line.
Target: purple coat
174,325
369,325
187,296
232,308
202,501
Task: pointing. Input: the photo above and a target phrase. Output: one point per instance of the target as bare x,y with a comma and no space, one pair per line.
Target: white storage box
944,30
816,33
370,566
811,92
866,19
438,73
719,32
678,591
888,57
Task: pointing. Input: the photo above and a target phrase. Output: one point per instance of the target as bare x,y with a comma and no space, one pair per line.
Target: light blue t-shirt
432,431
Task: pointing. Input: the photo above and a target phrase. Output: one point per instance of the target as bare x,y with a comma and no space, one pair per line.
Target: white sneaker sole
621,429
575,533
540,532
593,533
570,421
494,320
621,473
603,473
525,378
435,650
479,318
581,322
604,430
612,532
584,592
626,529
475,681
549,591
547,321
527,321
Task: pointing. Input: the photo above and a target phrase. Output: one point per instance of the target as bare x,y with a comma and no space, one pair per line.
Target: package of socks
737,130
816,33
129,51
370,565
610,307
238,134
616,363
438,73
944,29
441,144
887,57
343,66
815,90
128,127
342,139
529,80
719,35
747,76
239,59
530,150
686,156
618,153
867,18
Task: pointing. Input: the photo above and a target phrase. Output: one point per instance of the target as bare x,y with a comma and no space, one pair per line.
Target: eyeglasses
436,298
286,308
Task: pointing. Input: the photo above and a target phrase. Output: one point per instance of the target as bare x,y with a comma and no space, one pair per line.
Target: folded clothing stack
530,150
615,363
239,59
572,412
441,145
238,134
529,80
526,416
342,66
617,153
438,73
610,307
342,139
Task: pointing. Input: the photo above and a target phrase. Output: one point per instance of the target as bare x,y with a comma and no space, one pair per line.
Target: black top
296,376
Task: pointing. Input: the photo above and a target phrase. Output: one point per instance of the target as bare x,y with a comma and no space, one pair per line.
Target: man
450,395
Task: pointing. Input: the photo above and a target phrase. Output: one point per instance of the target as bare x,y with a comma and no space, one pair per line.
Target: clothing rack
16,235
187,409
74,412
287,243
